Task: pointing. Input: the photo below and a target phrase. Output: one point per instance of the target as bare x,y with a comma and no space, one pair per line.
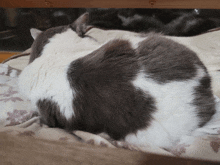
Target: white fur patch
46,76
175,116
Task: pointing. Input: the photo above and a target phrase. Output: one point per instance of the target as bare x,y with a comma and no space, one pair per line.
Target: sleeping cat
143,89
172,22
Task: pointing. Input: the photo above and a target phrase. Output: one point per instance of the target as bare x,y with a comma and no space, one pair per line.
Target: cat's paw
125,145
179,149
93,139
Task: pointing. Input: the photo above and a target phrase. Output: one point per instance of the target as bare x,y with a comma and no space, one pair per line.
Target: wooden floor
5,55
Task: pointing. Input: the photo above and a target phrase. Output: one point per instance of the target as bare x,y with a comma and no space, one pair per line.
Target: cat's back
181,86
162,84
138,88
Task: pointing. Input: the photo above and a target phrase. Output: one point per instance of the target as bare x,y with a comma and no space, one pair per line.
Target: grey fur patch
105,99
165,60
204,100
51,116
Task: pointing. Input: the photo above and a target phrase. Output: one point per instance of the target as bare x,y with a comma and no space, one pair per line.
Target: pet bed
18,120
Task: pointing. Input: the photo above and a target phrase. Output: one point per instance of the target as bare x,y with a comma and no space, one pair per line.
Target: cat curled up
141,90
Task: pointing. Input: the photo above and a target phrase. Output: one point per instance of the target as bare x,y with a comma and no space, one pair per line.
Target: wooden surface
203,4
26,150
5,55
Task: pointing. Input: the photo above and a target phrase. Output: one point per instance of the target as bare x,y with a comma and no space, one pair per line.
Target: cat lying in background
172,22
143,89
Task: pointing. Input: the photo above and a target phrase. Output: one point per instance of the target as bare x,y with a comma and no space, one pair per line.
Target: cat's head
42,38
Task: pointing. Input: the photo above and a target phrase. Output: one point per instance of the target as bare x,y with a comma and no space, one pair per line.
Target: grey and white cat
139,90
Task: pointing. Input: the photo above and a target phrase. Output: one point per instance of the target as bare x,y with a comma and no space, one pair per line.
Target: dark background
15,23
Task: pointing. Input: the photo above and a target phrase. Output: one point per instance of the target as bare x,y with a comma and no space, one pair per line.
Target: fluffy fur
141,90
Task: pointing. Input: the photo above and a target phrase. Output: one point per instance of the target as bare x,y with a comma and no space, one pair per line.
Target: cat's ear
80,26
35,32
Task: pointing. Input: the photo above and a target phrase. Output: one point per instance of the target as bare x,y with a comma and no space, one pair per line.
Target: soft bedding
18,119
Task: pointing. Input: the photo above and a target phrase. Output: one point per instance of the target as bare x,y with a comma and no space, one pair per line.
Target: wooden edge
25,53
202,4
213,30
